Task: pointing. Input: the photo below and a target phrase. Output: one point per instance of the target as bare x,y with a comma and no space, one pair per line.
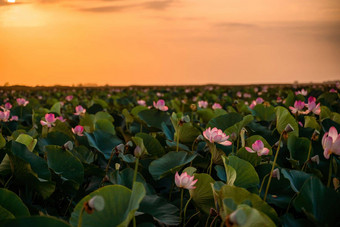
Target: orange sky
123,42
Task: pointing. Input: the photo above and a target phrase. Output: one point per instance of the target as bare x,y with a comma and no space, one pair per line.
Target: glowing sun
11,1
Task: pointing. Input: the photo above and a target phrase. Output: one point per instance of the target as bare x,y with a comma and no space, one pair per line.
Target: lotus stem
185,211
308,156
212,149
180,214
177,139
263,180
330,172
192,217
273,165
80,220
136,170
108,163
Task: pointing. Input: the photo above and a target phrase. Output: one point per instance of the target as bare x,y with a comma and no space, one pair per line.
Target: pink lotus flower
278,99
331,142
246,95
160,105
14,118
50,119
185,181
22,102
141,102
298,107
60,119
312,106
302,92
7,106
276,173
69,98
216,106
259,100
78,130
239,94
258,147
333,91
4,115
216,135
202,104
80,110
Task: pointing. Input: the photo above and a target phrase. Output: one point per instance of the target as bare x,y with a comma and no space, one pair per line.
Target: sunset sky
168,42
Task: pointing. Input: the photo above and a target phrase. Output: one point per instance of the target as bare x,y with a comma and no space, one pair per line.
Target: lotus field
170,156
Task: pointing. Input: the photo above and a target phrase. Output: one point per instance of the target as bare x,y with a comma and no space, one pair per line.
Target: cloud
107,9
231,25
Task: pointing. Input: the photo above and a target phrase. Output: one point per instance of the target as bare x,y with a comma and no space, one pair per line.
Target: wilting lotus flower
160,105
96,203
258,147
50,119
141,102
331,142
298,107
14,118
312,106
80,110
276,173
61,119
216,135
22,102
316,159
185,181
302,92
202,104
69,98
216,106
78,130
4,115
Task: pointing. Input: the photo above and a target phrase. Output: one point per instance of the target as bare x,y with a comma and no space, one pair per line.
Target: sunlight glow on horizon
11,1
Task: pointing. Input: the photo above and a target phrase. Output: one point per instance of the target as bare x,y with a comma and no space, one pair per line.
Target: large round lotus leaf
318,202
188,133
206,114
310,122
56,108
105,126
103,115
263,113
120,206
11,202
27,140
151,144
2,141
202,195
252,158
36,221
296,178
247,216
283,118
298,148
137,109
5,214
63,163
103,142
246,176
225,121
240,195
169,163
236,128
154,118
160,209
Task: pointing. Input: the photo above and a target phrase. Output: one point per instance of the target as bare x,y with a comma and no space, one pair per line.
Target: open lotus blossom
22,101
259,100
258,147
4,115
80,110
160,105
50,119
202,104
298,107
278,99
333,91
216,135
302,92
69,98
14,118
185,181
78,130
239,94
141,102
331,142
7,106
246,95
312,106
216,106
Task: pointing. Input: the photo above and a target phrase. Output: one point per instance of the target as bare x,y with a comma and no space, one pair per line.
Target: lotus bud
276,173
316,159
289,128
130,143
199,138
117,166
315,135
193,107
68,146
137,152
120,148
95,203
233,136
185,119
